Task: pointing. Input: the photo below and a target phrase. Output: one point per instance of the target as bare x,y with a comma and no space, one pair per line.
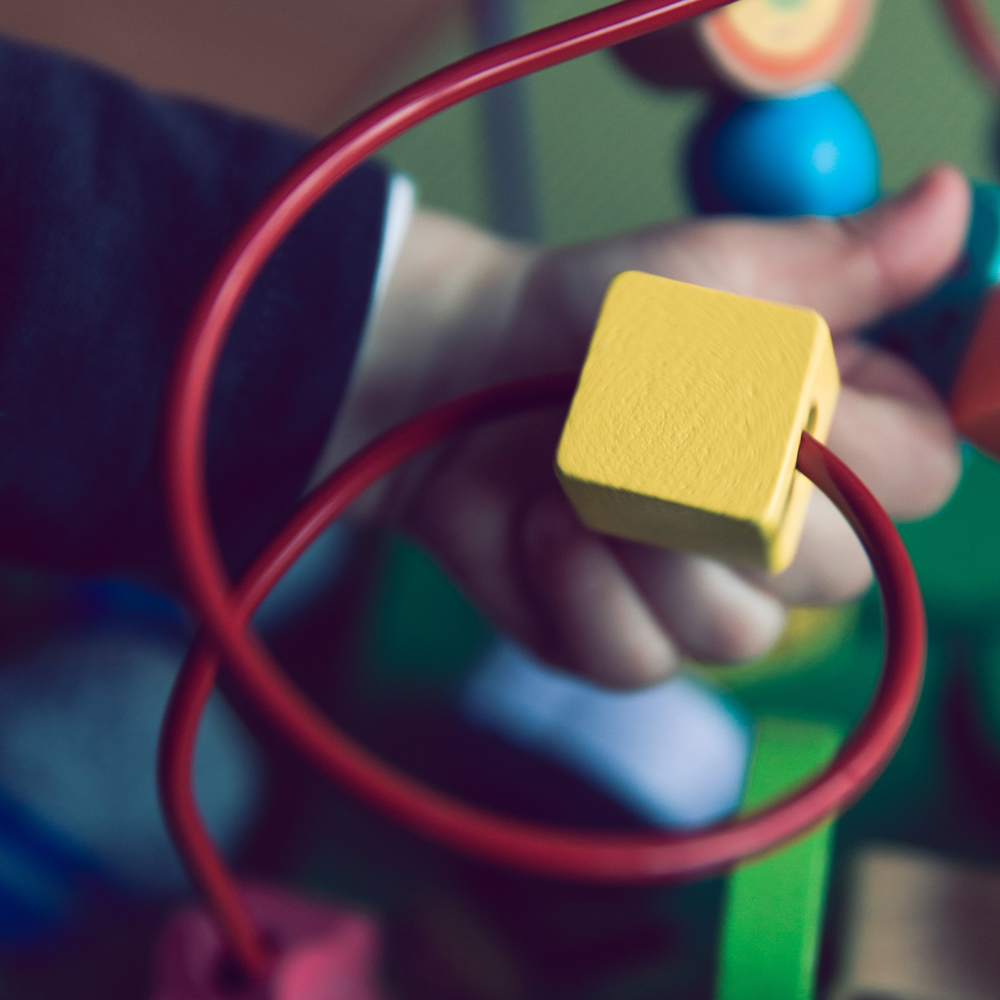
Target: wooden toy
951,335
919,927
317,952
773,912
974,400
807,154
778,46
756,47
723,387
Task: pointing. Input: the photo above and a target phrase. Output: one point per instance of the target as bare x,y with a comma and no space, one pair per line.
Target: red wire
544,850
974,29
225,613
220,300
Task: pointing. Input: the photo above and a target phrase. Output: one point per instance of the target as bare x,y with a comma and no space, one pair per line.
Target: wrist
439,333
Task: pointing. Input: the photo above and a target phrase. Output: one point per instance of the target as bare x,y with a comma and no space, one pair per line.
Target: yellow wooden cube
686,423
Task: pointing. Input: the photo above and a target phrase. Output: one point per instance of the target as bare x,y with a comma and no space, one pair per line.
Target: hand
465,310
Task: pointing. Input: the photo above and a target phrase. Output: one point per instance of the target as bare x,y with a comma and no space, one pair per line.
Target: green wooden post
773,911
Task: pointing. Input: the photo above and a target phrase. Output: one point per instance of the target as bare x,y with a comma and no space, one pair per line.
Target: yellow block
686,423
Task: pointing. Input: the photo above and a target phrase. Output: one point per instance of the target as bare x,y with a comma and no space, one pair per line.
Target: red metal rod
222,296
544,850
225,613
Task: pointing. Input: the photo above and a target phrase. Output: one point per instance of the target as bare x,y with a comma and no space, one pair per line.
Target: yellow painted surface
685,426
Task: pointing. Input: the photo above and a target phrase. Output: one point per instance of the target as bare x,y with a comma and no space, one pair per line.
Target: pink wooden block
321,952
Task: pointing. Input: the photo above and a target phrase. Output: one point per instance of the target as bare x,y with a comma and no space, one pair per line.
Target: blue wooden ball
810,154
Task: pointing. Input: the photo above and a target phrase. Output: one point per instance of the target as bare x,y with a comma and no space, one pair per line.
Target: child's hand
465,310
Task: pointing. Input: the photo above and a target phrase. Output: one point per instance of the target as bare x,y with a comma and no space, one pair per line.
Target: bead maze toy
255,941
226,612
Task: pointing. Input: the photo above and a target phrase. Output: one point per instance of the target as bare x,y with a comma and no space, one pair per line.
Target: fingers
892,430
626,614
600,624
623,614
830,566
851,270
905,454
912,241
714,614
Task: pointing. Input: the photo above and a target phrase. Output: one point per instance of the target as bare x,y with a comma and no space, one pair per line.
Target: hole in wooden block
812,419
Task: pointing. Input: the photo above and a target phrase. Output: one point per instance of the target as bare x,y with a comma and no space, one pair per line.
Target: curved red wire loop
224,612
253,245
544,850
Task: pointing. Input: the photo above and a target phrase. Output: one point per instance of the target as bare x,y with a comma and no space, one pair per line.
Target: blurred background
380,638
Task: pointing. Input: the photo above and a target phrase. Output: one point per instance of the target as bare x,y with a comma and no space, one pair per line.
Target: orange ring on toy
753,43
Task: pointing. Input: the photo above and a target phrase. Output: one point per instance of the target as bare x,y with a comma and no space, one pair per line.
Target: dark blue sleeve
114,204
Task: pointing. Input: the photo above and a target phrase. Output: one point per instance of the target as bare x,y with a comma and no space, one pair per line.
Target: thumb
905,245
851,270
